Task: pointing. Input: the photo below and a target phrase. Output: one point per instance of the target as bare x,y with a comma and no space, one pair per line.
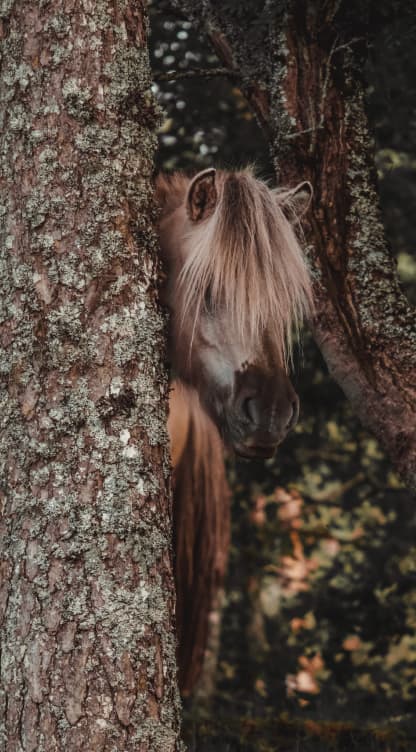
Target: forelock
248,256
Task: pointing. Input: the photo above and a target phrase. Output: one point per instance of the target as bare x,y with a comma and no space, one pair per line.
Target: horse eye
208,301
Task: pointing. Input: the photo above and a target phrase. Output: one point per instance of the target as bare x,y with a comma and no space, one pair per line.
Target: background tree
88,651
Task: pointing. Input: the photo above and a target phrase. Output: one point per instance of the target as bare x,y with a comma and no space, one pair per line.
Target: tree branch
175,75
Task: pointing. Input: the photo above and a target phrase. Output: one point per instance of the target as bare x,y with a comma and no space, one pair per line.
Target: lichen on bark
86,599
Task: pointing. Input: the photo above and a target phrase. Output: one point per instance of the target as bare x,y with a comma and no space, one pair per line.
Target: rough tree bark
301,65
86,597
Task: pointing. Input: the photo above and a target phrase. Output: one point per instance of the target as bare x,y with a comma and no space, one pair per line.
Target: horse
237,288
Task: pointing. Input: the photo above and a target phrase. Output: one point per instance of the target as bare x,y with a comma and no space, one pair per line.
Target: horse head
237,287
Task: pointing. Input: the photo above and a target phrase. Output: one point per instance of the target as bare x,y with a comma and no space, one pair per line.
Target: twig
175,75
348,44
296,134
317,126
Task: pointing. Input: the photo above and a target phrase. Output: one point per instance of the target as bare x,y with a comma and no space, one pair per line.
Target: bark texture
301,65
87,597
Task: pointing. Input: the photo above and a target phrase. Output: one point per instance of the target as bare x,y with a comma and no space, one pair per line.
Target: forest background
318,637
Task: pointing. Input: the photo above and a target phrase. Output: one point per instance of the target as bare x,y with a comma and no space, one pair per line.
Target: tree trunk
301,65
87,597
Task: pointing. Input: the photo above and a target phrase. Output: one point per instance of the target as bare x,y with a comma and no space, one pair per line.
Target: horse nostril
248,407
294,416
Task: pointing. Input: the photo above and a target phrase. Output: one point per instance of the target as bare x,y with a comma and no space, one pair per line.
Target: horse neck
188,424
178,422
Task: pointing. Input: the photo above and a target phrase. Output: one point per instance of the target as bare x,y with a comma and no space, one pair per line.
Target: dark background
318,647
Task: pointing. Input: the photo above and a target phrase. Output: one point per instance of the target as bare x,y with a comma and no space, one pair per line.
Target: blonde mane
244,258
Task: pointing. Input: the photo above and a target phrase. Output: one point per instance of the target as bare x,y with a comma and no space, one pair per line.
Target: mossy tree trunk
301,65
86,597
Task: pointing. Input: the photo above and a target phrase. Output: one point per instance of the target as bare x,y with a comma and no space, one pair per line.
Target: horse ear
296,201
202,195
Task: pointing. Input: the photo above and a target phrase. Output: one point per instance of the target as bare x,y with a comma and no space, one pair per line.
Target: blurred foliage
318,644
321,598
392,112
208,119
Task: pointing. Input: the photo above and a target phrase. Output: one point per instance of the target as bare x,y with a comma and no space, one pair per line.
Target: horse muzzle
250,451
258,434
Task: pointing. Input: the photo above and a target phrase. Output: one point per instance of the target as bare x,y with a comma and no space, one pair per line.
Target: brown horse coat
201,526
